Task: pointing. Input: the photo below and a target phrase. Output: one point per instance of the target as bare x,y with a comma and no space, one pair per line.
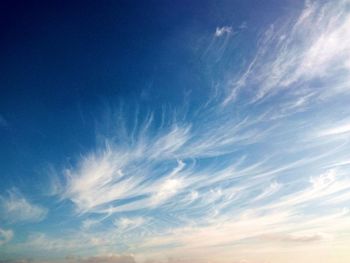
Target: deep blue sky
61,62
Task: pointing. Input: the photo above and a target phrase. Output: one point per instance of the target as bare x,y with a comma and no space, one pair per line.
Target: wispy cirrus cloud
236,169
270,190
339,130
129,173
127,223
310,47
16,208
5,235
220,31
296,238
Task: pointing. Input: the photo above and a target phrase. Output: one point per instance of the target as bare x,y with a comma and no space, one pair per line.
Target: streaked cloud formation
15,207
220,31
258,172
5,235
291,57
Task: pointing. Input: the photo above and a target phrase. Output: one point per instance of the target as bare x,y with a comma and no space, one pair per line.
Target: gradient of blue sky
175,131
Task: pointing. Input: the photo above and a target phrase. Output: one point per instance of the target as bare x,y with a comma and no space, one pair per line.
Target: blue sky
175,131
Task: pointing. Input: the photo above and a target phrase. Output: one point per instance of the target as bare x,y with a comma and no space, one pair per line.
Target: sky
175,131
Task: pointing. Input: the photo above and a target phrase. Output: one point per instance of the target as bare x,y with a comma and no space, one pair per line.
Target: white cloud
166,190
16,208
212,179
273,188
127,223
339,198
315,45
342,129
5,236
147,170
296,238
220,31
169,187
88,223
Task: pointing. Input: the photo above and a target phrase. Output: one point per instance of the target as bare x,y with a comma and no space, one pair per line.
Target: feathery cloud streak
15,207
